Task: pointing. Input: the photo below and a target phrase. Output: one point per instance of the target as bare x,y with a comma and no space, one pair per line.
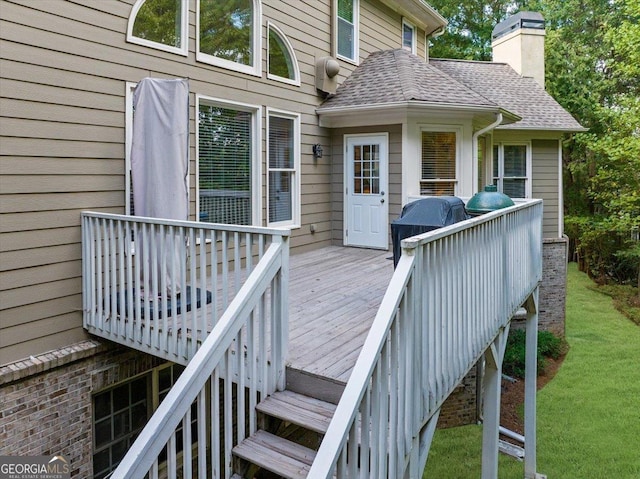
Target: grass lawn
588,415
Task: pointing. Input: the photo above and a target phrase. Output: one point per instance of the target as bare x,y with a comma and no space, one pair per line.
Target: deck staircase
449,304
292,428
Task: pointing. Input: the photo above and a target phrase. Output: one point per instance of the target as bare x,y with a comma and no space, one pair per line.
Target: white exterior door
366,219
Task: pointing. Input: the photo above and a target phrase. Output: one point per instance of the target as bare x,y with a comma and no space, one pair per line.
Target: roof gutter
474,149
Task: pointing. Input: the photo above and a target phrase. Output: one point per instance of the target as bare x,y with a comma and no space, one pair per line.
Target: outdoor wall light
317,151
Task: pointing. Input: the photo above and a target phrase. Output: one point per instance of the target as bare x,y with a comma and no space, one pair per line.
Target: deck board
334,294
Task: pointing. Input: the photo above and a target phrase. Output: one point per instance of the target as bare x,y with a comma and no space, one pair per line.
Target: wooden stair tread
286,458
306,411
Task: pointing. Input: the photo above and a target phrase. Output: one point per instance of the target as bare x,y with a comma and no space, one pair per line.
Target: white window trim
500,160
184,30
128,132
256,186
295,221
457,129
290,50
256,68
413,48
356,33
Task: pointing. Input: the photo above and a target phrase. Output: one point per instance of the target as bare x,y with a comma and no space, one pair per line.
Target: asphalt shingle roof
396,76
520,95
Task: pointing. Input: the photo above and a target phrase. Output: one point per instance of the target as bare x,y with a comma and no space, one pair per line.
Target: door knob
382,200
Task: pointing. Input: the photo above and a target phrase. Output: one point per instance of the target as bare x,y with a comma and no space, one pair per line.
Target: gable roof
397,77
521,95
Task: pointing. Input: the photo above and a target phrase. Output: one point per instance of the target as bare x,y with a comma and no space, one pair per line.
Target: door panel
366,184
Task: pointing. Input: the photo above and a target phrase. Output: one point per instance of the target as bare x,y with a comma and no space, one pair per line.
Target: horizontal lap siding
545,183
64,68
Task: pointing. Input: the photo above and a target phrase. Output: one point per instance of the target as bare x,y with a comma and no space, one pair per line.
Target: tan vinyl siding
64,68
395,174
545,183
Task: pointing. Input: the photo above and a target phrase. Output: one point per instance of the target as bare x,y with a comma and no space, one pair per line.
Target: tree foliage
592,57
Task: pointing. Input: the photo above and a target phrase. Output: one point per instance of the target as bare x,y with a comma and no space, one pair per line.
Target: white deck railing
452,292
240,362
160,286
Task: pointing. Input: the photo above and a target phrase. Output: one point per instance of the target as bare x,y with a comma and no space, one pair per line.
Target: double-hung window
227,172
408,36
347,17
512,169
283,160
438,165
228,34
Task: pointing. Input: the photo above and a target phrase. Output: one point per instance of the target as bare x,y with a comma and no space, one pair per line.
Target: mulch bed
512,397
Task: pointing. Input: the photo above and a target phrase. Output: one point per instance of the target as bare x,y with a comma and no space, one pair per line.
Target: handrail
160,285
453,289
212,362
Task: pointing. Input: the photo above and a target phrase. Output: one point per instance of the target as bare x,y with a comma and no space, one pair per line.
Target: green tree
468,34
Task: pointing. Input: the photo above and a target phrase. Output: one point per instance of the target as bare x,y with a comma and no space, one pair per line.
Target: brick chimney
519,42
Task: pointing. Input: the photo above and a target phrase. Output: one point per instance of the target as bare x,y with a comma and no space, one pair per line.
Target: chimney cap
533,20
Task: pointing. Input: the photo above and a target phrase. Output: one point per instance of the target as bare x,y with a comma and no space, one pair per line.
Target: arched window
160,24
281,61
229,34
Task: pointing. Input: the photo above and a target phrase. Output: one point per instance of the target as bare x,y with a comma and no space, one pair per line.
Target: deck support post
491,400
530,374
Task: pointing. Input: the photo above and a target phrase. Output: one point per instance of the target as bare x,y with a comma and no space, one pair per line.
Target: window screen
224,165
438,163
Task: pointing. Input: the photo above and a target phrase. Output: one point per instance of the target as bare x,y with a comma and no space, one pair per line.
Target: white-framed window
282,64
228,143
439,159
121,412
283,168
408,36
160,24
512,169
228,34
347,13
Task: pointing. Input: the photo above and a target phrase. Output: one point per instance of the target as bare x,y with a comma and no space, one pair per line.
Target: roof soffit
419,13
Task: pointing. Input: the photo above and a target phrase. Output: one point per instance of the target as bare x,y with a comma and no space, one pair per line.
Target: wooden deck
334,294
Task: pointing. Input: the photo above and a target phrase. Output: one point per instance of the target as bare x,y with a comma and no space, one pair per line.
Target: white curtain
160,170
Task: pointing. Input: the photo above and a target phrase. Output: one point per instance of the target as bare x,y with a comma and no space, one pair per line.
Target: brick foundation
45,405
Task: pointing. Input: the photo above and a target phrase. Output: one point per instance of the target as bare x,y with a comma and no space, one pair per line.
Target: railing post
530,374
282,335
491,400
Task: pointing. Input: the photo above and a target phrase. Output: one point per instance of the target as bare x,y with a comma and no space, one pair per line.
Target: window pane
281,142
280,198
224,165
345,10
407,36
495,161
514,188
438,163
159,21
280,61
345,39
515,160
226,29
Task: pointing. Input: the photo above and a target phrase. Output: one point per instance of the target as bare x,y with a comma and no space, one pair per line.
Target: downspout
433,34
474,149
